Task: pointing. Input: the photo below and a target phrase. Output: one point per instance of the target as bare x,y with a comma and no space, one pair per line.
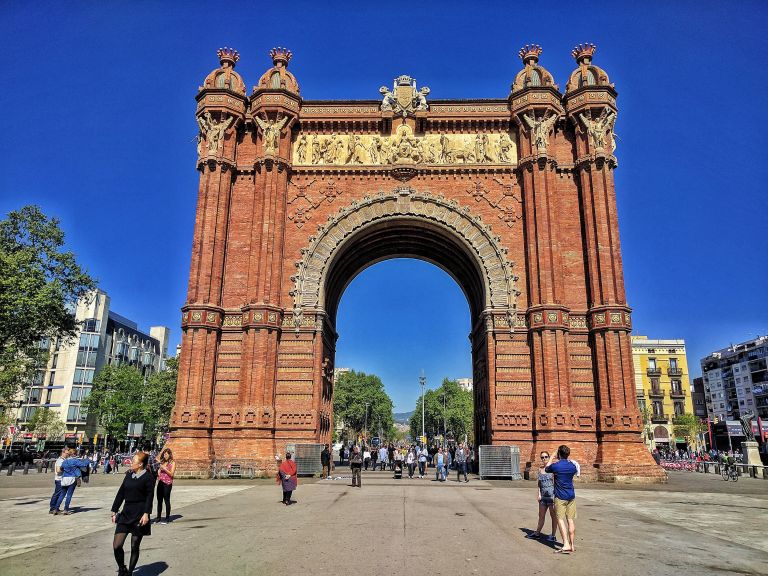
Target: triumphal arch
513,197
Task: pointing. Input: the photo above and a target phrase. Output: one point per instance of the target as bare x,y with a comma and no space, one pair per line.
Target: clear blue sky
98,128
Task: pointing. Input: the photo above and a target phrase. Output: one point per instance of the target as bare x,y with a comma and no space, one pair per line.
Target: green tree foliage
687,426
455,416
351,392
120,395
116,399
48,423
159,398
39,285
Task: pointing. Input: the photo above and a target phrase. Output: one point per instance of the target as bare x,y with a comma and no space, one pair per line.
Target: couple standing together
557,494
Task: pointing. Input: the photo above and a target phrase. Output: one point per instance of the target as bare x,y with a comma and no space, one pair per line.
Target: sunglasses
544,457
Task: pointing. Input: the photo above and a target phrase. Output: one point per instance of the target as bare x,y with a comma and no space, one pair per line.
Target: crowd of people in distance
713,455
413,459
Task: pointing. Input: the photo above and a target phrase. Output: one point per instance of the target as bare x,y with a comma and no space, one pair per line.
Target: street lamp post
365,426
422,383
445,427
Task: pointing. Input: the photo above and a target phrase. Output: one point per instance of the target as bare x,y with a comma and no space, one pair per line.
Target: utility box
500,462
307,458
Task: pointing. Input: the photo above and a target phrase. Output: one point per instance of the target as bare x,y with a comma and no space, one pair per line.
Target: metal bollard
26,468
40,467
11,468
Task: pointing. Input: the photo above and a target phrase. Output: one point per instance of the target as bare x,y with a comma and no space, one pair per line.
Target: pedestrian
423,462
166,469
439,465
391,456
286,475
565,496
546,487
356,463
461,463
71,473
325,461
383,456
57,481
374,458
410,460
447,461
135,496
366,457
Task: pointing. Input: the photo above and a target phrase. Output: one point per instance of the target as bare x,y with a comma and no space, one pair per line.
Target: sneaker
50,511
163,522
552,538
533,535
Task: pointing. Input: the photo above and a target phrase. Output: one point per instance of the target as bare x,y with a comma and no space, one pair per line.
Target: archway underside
404,238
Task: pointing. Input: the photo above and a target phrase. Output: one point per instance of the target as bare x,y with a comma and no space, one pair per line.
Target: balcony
654,371
659,418
674,371
656,393
676,392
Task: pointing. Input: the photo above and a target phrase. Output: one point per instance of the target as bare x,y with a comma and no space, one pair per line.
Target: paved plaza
696,524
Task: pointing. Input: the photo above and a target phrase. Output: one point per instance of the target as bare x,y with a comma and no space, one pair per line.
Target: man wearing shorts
565,496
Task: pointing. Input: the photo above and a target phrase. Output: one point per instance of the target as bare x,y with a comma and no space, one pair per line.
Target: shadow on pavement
152,569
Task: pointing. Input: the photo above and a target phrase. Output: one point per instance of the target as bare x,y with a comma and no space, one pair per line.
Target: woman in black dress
136,495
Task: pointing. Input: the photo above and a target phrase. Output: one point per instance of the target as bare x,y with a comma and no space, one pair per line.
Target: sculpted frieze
403,148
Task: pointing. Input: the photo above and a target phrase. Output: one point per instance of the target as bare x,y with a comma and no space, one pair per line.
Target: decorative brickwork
513,197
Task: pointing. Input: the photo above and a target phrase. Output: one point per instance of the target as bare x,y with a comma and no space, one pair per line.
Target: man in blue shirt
565,496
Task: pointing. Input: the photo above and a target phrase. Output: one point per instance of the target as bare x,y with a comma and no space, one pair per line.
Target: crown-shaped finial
228,56
530,53
280,55
583,52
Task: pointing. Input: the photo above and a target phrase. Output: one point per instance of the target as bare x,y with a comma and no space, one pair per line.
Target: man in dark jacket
325,460
356,463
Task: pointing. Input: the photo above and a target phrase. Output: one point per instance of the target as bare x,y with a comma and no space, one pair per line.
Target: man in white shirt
57,479
383,455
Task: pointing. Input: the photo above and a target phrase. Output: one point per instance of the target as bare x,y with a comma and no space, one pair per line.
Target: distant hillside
403,417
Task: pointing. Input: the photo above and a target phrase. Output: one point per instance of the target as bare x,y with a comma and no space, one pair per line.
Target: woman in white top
411,461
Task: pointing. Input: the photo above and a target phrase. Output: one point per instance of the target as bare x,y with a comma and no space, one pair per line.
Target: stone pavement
696,524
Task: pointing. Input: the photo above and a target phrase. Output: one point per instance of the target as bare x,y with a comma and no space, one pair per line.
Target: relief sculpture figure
213,131
301,149
271,131
540,128
505,147
598,128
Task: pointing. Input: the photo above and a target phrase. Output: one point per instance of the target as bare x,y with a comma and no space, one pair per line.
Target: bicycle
729,472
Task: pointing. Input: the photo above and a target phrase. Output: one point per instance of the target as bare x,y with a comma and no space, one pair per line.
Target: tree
39,286
688,426
646,413
454,416
116,399
46,422
159,398
351,393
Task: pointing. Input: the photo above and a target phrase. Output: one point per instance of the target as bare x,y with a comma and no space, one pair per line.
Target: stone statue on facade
599,127
271,131
540,129
213,131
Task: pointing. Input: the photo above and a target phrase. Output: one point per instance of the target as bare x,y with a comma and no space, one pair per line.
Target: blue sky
98,128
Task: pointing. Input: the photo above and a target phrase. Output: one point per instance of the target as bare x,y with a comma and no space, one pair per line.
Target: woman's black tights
117,547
